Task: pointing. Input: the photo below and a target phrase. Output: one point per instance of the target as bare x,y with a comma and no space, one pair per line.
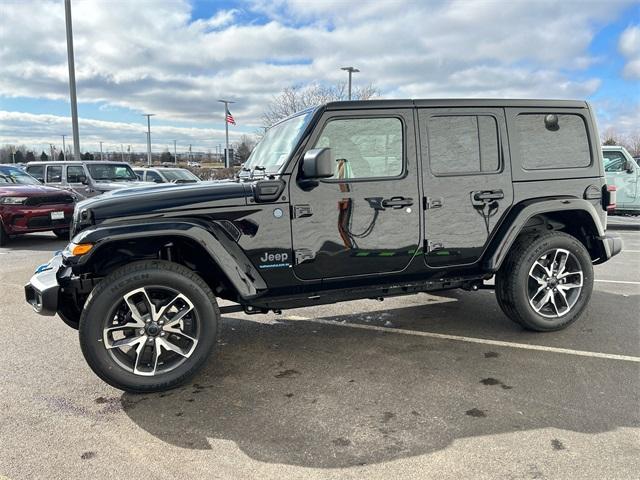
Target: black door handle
397,202
488,195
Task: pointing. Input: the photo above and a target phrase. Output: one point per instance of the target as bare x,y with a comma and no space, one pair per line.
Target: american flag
230,118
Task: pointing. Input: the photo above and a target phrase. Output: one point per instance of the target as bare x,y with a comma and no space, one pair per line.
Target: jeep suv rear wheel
546,281
149,326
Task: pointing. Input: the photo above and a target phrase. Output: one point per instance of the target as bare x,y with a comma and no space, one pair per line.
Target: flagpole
227,162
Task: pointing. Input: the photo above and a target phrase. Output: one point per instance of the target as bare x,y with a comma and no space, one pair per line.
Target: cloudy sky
176,58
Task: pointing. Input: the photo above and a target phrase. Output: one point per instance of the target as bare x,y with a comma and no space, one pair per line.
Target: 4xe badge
274,260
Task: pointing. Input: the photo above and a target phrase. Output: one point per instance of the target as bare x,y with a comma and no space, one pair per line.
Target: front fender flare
225,252
521,213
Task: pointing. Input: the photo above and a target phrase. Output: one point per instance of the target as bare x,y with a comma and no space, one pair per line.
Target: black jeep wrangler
345,201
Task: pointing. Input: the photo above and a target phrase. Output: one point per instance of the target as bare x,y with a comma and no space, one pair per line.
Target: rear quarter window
546,144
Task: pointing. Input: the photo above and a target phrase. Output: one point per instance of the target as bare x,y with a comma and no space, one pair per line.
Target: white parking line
483,341
618,281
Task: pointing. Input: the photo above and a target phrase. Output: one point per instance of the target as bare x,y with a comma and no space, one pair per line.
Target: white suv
166,175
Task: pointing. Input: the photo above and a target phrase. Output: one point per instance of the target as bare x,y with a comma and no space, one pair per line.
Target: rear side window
463,144
54,173
36,171
74,172
549,140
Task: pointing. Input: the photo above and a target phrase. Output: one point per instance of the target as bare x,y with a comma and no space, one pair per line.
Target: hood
158,199
108,186
17,190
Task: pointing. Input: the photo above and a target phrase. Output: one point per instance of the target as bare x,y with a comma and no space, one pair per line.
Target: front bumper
18,219
42,290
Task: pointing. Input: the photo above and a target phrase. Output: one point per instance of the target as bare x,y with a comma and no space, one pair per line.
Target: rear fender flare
521,213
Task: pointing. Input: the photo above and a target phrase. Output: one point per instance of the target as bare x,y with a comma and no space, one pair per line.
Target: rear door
467,181
366,218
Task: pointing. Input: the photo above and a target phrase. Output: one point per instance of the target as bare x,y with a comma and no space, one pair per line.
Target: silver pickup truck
87,179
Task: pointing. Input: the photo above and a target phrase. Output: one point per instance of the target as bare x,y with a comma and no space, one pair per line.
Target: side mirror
83,179
628,166
317,163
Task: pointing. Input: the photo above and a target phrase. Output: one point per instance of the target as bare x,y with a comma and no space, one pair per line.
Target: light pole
64,149
101,157
351,71
148,115
122,151
72,80
175,154
226,131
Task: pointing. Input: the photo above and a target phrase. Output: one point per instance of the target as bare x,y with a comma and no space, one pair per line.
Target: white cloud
629,46
150,55
38,131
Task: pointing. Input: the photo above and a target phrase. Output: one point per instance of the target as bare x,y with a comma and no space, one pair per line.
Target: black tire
100,311
515,288
4,238
62,233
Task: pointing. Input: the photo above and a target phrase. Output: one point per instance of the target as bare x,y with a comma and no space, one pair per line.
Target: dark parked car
28,206
346,201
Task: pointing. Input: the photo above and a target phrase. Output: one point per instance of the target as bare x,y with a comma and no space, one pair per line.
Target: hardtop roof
455,103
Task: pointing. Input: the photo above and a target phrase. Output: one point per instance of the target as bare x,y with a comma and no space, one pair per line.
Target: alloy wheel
152,330
555,282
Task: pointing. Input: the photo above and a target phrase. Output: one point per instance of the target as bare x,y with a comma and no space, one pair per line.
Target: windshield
111,172
276,146
179,175
16,177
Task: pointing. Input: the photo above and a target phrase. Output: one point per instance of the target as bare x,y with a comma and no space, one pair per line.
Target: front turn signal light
81,248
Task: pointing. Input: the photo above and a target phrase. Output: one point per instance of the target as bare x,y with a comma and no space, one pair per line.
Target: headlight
13,200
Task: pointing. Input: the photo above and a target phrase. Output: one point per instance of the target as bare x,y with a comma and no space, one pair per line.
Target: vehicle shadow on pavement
34,242
326,396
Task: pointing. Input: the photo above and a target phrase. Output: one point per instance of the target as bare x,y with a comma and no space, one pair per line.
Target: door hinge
430,246
301,211
304,255
430,203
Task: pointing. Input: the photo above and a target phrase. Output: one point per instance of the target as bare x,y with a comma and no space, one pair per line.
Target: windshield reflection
275,148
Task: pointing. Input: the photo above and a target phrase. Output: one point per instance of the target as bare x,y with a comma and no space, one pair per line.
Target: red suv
28,206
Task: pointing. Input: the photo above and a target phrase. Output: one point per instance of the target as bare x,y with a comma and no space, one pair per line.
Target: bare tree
634,144
610,137
298,97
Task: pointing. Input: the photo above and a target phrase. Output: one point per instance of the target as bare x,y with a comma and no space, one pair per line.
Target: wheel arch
574,216
207,249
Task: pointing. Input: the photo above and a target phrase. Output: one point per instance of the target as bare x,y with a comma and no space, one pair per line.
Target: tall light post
351,71
148,115
64,149
101,158
175,154
72,80
226,131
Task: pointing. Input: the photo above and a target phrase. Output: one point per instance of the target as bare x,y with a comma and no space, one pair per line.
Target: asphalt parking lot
418,387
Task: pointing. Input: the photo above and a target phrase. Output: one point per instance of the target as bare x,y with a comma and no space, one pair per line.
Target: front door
467,181
366,218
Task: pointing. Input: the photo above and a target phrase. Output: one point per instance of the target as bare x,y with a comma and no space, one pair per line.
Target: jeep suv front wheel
149,326
546,281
